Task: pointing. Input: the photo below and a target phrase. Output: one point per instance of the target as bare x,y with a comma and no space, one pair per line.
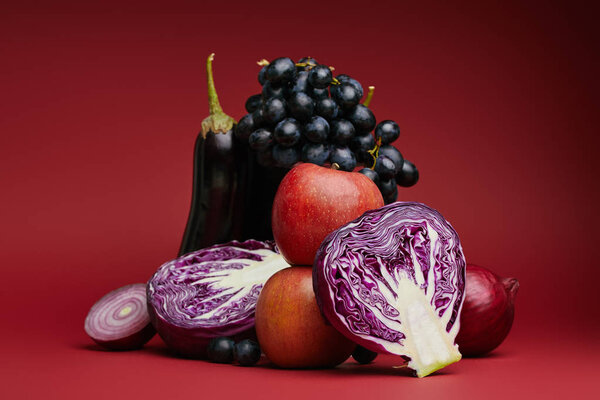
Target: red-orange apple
289,325
313,201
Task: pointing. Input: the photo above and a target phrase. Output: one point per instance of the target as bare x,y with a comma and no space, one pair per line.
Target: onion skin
488,311
129,331
132,342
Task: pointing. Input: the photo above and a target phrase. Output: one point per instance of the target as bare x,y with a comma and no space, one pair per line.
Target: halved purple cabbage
393,281
209,293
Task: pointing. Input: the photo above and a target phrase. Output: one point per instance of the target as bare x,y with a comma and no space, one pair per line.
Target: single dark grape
247,352
341,132
316,93
220,350
346,96
408,176
327,108
301,106
391,196
271,90
319,77
287,132
265,157
388,131
387,187
260,139
281,70
371,174
258,118
306,60
362,118
393,154
245,127
274,110
253,103
317,130
285,157
346,79
343,156
262,75
360,145
385,167
301,83
316,153
362,355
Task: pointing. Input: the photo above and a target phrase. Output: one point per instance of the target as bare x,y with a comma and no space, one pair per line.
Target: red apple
289,325
313,201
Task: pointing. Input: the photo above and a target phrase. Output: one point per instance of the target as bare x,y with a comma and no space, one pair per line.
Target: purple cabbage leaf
393,281
209,293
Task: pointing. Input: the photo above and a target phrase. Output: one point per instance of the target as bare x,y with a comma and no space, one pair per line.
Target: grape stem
335,166
369,96
217,121
374,152
263,63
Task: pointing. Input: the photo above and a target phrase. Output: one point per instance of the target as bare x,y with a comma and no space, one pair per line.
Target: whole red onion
487,313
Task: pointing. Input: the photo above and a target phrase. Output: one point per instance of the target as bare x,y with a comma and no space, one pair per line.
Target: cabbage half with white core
393,281
210,293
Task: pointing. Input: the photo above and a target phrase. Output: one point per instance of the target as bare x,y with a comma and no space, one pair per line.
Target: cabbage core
393,281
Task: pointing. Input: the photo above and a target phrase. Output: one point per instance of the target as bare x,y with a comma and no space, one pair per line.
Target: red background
100,106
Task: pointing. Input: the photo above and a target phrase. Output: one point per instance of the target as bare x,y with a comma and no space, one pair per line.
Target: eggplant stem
217,121
213,99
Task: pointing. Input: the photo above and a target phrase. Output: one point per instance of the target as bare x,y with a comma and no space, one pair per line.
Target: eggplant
211,217
257,186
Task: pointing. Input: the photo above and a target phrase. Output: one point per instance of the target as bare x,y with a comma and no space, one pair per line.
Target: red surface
497,102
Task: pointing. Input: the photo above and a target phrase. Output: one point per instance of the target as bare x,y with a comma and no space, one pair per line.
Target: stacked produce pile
350,271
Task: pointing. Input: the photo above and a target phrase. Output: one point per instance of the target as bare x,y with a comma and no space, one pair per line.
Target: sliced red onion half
120,320
393,281
210,293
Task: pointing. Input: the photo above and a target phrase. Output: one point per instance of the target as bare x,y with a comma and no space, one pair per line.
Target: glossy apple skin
290,328
313,201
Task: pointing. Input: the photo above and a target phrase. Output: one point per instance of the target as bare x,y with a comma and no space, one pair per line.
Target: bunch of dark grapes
304,113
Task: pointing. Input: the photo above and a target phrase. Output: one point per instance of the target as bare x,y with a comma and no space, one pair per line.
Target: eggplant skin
255,193
213,192
232,194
